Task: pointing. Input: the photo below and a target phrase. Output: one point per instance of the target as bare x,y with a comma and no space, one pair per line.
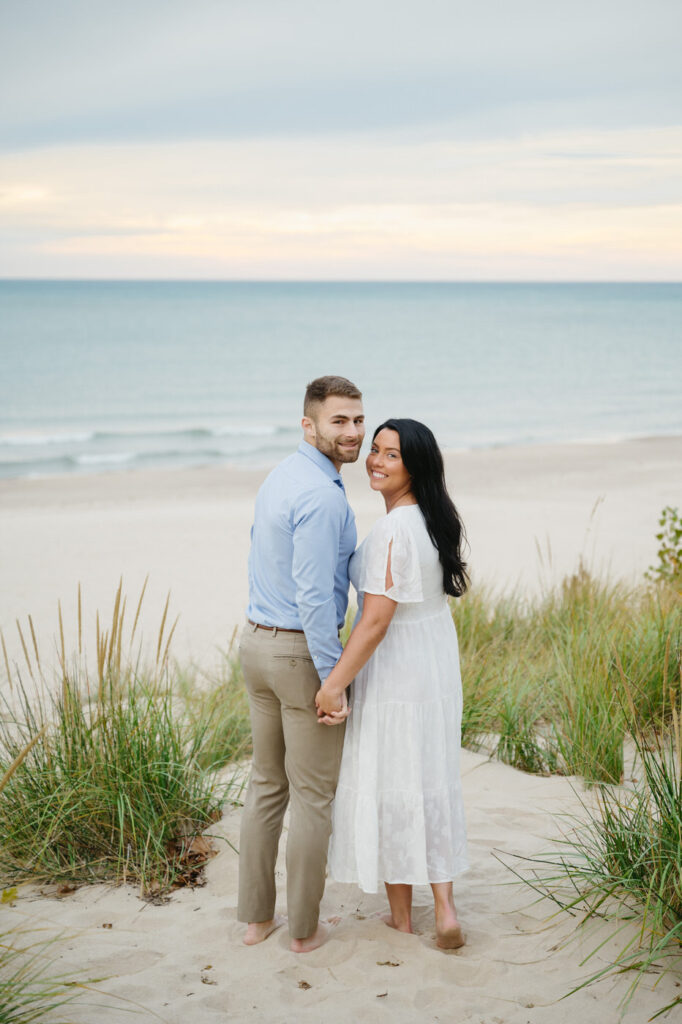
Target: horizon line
333,280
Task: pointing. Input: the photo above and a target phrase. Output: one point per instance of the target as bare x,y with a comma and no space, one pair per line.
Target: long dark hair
423,461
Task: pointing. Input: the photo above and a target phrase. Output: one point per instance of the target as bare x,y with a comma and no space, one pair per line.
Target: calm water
112,375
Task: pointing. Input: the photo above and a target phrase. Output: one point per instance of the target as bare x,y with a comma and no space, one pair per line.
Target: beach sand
184,961
531,514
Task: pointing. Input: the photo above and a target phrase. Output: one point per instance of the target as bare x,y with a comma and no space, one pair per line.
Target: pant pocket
296,680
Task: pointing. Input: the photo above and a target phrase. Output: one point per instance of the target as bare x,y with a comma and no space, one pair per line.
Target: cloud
21,196
374,138
90,70
199,179
572,205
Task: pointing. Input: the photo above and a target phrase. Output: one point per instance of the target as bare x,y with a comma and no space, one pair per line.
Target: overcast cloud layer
379,129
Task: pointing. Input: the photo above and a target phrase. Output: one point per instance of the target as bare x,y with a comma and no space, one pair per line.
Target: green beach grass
106,774
618,868
29,991
28,988
542,678
216,709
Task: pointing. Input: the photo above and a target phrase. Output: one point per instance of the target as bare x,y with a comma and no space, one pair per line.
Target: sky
369,139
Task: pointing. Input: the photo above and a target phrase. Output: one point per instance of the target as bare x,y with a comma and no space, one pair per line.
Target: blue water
97,376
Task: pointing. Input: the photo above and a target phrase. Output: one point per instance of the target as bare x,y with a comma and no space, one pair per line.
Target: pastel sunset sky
365,139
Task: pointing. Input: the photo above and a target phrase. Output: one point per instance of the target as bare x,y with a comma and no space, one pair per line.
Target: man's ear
308,426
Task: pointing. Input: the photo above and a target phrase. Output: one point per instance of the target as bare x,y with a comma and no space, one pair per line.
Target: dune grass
541,678
105,777
28,989
29,992
619,867
112,790
557,685
113,772
216,710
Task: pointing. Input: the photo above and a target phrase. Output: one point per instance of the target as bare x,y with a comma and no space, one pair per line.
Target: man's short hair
324,387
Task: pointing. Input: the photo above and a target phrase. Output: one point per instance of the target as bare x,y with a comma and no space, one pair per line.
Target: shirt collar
325,464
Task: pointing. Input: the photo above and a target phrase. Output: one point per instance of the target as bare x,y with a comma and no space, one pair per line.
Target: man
302,538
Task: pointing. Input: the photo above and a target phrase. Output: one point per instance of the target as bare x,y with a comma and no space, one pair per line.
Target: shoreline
241,468
531,513
243,477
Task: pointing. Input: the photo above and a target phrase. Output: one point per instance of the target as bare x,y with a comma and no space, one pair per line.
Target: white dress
398,814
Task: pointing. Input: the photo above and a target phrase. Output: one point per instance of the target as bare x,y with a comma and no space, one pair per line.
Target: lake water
96,376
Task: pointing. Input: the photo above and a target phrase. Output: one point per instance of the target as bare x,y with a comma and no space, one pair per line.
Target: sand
530,513
183,961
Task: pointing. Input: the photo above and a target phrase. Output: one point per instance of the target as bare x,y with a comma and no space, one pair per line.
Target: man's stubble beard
334,451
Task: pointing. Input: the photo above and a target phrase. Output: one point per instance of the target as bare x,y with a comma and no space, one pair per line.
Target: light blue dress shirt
302,537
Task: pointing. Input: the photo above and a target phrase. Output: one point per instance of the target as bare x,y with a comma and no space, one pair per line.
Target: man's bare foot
257,931
403,926
319,936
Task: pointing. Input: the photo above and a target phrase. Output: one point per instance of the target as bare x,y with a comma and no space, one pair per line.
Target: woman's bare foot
402,926
449,934
257,931
319,936
400,902
452,938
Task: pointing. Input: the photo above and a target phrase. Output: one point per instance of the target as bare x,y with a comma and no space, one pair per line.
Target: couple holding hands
382,778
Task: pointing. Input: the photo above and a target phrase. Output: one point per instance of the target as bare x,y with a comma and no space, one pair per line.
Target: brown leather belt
277,629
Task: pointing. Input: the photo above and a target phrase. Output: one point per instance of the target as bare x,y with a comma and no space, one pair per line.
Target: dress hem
385,881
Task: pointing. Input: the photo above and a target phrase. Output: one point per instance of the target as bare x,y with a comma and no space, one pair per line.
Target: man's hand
331,710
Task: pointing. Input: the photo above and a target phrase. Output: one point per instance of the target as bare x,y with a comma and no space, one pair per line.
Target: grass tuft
620,866
106,778
541,678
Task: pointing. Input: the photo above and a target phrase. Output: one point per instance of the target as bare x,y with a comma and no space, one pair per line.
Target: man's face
336,428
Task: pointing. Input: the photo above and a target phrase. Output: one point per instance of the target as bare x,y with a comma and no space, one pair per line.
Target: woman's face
385,467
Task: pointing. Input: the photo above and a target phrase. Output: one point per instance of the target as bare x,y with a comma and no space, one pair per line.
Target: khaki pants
294,758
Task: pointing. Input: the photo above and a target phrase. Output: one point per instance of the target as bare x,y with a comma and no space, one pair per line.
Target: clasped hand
331,710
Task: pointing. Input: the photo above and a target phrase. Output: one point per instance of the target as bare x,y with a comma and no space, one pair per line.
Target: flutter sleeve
392,544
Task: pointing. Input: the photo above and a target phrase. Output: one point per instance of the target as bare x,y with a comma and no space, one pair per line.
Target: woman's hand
332,706
331,709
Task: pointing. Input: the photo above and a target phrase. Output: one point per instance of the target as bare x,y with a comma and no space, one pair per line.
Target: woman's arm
377,612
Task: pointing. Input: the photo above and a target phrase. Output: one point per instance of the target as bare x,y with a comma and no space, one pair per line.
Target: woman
398,815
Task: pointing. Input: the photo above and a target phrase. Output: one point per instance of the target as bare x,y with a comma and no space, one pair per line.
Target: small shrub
669,566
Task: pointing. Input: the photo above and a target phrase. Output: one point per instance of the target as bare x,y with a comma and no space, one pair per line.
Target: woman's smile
386,469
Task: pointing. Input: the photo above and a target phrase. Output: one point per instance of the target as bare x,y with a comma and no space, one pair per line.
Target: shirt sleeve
318,524
392,539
